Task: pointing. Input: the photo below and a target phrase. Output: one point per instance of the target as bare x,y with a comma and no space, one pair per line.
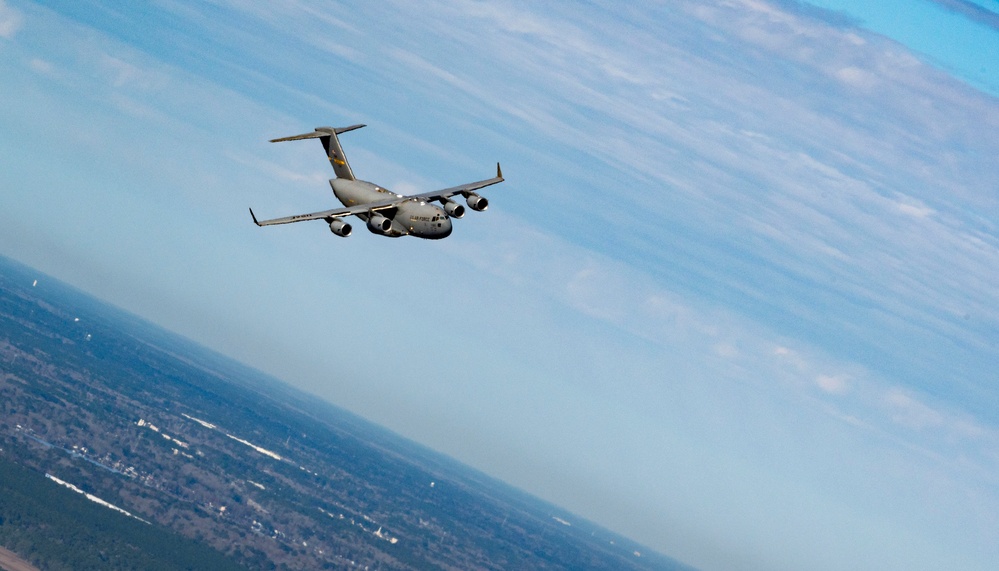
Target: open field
9,561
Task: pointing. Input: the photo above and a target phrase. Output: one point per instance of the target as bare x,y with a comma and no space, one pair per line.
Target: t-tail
328,137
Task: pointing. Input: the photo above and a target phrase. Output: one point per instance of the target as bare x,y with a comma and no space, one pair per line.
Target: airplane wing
443,194
462,189
327,214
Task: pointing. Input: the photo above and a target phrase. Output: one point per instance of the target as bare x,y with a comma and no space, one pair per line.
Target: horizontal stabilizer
319,132
314,135
341,130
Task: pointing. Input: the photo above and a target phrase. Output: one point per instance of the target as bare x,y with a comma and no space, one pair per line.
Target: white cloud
915,208
835,385
123,73
11,21
856,77
822,204
910,412
726,350
42,66
312,178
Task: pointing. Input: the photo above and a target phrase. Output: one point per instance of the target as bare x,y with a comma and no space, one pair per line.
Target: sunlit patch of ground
9,561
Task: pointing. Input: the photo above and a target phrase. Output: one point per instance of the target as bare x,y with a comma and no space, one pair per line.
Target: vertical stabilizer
335,153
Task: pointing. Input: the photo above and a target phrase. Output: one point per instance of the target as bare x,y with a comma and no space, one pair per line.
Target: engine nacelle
453,209
476,202
378,224
340,228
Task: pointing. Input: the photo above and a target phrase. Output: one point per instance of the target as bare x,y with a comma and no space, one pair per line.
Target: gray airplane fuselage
414,217
384,212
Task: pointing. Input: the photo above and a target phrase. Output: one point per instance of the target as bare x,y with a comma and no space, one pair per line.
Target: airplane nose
446,227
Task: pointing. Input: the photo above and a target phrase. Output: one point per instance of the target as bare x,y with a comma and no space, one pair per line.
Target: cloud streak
973,11
11,21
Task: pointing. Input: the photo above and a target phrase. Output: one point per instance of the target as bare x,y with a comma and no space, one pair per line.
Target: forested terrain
230,460
56,528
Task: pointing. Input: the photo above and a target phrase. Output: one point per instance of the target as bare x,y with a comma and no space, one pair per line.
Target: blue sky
961,36
736,298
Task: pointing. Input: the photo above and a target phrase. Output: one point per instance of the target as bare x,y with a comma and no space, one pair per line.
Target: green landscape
228,468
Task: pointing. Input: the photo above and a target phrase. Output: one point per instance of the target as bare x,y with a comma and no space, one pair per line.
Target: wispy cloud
973,11
617,294
910,412
11,21
43,67
835,385
847,177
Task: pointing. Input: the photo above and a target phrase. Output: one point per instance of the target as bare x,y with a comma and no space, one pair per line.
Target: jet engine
340,228
378,224
476,202
453,209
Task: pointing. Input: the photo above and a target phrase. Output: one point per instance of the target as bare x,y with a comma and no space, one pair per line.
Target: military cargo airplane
385,212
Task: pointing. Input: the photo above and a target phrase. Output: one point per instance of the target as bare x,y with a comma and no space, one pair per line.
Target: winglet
499,173
254,217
